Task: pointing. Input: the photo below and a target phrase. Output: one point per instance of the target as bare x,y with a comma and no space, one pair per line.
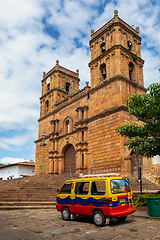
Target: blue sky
34,34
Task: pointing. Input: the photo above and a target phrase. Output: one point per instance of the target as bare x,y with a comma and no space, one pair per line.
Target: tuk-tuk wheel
99,219
65,213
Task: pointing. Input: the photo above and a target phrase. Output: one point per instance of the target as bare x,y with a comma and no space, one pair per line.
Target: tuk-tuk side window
82,188
98,187
119,186
66,188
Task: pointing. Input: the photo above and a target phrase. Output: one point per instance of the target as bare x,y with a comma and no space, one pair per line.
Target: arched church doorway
69,160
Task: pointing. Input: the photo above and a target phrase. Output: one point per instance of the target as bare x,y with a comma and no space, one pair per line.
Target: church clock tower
57,84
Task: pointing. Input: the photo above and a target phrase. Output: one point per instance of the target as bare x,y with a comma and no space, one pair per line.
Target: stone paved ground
47,224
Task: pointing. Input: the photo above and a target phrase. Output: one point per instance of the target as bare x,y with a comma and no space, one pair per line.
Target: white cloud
16,142
9,160
36,33
151,66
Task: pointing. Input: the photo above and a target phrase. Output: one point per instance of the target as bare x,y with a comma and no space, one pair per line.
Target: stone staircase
31,192
147,186
40,191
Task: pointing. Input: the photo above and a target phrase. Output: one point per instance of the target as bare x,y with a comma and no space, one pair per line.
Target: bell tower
115,51
58,84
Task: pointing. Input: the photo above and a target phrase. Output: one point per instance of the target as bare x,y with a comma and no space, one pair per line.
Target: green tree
144,139
32,161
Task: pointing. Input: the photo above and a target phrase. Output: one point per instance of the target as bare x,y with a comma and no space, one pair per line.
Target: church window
47,106
82,160
103,70
67,126
129,45
102,38
48,86
82,136
131,71
103,47
54,126
67,86
48,83
82,114
72,83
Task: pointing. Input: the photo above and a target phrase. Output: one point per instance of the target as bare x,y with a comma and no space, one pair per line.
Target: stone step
27,207
27,199
43,188
23,203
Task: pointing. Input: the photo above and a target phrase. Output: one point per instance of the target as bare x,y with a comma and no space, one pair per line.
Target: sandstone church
77,127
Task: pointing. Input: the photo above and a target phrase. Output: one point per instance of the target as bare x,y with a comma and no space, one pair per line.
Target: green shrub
158,180
142,201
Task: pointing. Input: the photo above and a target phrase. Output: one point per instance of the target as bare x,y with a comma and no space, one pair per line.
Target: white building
157,159
17,170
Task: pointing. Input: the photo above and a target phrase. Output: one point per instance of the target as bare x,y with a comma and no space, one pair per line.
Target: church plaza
48,224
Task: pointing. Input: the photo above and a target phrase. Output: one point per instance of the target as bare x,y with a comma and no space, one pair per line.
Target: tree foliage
144,139
142,199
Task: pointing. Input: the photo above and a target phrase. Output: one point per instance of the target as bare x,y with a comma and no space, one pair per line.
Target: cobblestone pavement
47,224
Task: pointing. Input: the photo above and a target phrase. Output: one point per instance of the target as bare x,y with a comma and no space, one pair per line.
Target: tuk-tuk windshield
119,186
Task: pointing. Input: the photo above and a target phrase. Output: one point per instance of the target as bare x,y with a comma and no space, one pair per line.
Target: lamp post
140,173
42,167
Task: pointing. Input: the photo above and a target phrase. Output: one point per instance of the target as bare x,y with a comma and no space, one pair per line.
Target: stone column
85,113
57,129
80,136
51,167
52,145
79,161
56,145
80,114
55,166
61,165
85,136
41,108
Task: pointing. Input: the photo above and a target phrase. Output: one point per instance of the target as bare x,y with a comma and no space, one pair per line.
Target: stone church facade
77,127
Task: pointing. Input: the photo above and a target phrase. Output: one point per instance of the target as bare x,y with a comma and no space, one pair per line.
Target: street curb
144,214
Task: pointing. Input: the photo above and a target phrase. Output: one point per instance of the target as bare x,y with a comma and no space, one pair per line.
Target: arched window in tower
129,45
82,136
82,114
47,106
103,70
82,159
48,83
48,86
103,47
67,86
131,71
67,126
